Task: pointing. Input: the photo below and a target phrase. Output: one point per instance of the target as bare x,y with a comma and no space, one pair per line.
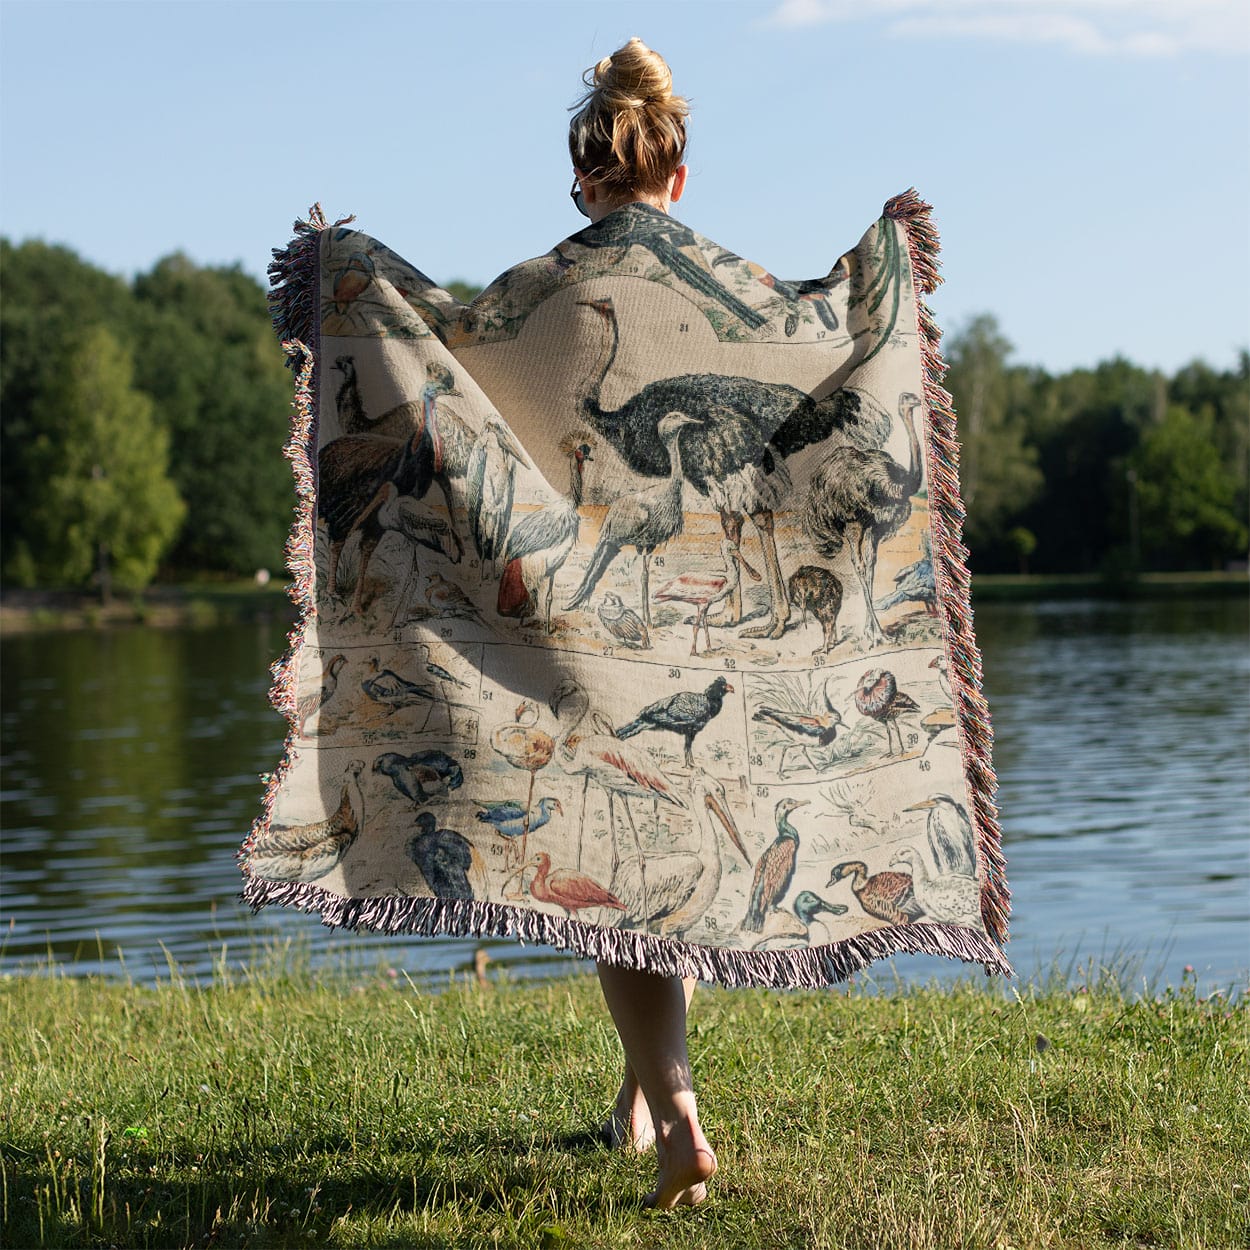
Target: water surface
131,762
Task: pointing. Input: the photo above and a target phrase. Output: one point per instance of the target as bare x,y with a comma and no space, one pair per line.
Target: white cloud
1137,28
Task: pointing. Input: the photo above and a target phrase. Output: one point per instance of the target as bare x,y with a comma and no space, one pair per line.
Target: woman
667,778
627,141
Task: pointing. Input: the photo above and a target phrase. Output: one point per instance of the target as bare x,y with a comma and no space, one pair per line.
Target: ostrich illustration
860,497
491,480
643,519
538,546
736,458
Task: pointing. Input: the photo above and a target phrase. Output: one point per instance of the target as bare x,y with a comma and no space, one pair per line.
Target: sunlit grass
280,1108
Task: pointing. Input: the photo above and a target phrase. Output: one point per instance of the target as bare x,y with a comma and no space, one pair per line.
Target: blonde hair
629,133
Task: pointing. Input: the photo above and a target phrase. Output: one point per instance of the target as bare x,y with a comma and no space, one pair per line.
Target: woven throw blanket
634,615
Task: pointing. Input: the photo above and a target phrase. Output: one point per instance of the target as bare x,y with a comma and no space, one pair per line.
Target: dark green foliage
1080,462
208,354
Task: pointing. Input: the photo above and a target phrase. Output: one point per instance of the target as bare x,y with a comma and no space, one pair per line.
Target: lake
130,775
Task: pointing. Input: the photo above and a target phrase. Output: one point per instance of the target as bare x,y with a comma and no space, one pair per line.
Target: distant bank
213,603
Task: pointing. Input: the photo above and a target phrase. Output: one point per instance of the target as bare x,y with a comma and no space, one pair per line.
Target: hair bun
629,131
634,76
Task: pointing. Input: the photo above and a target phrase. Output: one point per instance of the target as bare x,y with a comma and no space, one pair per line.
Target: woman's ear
678,185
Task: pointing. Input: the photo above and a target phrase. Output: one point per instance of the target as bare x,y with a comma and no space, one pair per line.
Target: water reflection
131,762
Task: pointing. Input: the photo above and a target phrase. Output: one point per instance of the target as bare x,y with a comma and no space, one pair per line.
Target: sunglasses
576,196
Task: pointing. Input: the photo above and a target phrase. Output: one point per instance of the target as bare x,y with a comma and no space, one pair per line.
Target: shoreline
203,604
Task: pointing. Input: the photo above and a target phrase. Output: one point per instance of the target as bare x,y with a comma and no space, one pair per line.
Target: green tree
997,466
1186,494
208,357
105,504
51,297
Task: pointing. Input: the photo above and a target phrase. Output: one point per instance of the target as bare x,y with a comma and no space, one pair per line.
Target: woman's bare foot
629,1126
686,1165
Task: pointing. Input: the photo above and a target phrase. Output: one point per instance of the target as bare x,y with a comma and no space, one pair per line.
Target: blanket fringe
950,562
803,968
294,274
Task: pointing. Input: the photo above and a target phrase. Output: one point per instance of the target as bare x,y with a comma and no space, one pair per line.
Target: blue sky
1089,160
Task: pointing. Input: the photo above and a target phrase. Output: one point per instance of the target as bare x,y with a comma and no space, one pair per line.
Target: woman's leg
629,1124
650,1015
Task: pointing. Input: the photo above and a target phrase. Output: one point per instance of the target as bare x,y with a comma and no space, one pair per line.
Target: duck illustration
306,852
885,895
784,929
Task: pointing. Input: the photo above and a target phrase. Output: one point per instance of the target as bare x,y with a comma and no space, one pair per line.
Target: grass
291,1109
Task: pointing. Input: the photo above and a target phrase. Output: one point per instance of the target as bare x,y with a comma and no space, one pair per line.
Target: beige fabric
733,732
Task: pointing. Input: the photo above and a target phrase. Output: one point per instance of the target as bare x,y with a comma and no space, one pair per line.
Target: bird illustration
670,892
814,589
775,868
449,862
947,898
784,929
942,666
643,519
949,831
490,484
422,777
353,469
676,247
686,714
538,546
447,599
310,705
914,584
507,818
624,624
307,852
352,281
570,890
389,511
620,769
885,895
347,401
393,691
878,697
808,729
736,456
527,748
703,592
858,498
437,670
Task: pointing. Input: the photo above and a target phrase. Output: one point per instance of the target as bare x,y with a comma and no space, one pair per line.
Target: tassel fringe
950,563
809,968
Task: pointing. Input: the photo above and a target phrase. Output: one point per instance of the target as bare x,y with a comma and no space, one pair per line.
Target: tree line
143,423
